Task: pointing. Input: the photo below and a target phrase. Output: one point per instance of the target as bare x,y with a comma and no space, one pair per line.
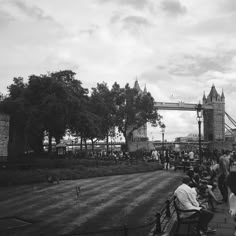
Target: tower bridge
181,106
213,107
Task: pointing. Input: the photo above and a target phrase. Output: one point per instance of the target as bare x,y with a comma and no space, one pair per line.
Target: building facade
4,136
214,119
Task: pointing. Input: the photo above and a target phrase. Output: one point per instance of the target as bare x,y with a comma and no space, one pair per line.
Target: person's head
186,180
204,173
190,173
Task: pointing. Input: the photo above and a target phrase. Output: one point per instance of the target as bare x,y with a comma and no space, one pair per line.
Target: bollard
77,188
125,230
168,208
158,223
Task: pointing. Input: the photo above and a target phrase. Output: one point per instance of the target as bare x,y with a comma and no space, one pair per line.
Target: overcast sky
178,48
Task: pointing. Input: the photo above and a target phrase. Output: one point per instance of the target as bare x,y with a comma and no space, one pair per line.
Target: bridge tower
140,133
214,119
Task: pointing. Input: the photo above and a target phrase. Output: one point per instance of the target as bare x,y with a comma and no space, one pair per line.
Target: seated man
187,197
205,193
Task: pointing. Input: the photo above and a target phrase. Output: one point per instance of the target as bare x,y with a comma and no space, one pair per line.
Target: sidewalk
222,221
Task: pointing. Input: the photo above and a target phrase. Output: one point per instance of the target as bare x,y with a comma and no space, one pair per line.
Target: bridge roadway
180,106
192,142
154,142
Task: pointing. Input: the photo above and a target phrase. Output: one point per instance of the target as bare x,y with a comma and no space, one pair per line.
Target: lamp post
72,146
199,119
163,140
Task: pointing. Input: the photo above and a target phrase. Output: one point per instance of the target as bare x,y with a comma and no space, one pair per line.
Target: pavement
222,221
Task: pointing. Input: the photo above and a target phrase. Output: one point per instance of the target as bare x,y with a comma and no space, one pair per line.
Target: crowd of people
197,190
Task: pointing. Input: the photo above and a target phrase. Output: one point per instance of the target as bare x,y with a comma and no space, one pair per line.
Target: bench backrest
165,217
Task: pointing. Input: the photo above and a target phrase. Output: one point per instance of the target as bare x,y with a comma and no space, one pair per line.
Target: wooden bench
185,165
186,225
166,219
170,220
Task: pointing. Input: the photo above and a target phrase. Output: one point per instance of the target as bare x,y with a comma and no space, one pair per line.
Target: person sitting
187,197
194,178
206,194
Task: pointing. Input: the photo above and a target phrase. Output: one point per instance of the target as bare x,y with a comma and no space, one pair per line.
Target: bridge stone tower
140,133
214,119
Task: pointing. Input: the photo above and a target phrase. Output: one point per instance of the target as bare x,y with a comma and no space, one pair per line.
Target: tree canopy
56,102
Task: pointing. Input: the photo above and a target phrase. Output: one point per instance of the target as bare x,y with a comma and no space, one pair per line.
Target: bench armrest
193,210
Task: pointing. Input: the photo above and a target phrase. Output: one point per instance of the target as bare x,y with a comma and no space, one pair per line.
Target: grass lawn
103,203
38,170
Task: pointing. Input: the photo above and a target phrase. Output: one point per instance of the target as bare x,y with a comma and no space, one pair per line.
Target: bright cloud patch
177,48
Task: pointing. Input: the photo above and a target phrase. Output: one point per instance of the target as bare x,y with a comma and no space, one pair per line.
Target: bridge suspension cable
230,119
233,122
229,128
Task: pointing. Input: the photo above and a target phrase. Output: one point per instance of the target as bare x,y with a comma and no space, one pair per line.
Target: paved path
222,220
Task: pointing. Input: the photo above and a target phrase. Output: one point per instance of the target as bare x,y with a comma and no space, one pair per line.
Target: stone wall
4,136
219,145
140,145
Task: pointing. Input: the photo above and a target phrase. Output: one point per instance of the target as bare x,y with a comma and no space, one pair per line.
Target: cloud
5,18
136,21
173,7
218,25
197,65
90,31
228,6
31,11
115,18
137,26
139,4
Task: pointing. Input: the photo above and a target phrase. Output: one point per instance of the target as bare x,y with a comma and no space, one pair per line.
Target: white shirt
188,198
155,155
232,205
191,155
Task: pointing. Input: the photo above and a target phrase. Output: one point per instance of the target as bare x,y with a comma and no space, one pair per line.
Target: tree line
57,102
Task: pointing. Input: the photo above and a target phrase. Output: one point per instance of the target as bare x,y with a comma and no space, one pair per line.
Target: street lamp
163,134
199,119
72,141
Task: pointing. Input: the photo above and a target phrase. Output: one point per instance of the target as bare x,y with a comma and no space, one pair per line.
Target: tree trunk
49,142
107,141
81,143
92,145
126,144
85,144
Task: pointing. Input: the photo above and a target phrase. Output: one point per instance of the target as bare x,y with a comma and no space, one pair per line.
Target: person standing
231,180
223,173
167,160
191,155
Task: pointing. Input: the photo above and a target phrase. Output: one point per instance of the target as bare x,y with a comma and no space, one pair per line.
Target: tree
17,107
133,110
72,103
45,103
102,104
54,98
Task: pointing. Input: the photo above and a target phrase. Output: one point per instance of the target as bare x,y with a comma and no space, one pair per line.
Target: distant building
4,136
189,138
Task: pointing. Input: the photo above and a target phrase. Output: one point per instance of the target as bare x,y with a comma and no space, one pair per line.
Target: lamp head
199,110
163,128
